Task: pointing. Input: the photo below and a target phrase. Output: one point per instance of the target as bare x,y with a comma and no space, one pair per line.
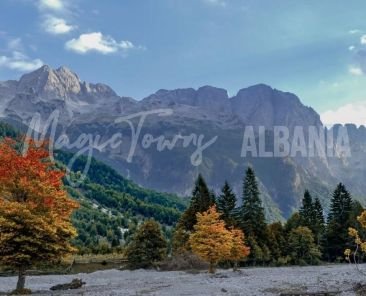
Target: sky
315,49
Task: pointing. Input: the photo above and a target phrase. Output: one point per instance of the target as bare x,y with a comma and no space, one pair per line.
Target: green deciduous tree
301,246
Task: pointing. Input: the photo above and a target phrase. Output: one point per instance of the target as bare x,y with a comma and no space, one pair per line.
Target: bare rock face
47,89
92,108
262,105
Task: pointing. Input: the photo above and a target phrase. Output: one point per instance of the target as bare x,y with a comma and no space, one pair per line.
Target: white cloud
351,113
55,25
20,62
221,3
354,70
98,43
363,39
351,48
51,4
355,31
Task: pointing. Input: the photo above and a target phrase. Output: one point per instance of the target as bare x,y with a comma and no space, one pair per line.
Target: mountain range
189,118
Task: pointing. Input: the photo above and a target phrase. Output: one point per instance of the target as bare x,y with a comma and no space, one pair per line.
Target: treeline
308,237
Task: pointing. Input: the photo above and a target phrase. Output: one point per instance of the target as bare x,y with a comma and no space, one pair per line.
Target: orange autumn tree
238,250
210,240
35,210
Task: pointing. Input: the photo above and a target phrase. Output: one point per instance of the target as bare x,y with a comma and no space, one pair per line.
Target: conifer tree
252,218
278,243
307,210
319,227
202,199
311,216
252,215
147,247
336,237
226,204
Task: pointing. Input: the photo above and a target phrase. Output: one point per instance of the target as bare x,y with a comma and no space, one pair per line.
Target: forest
114,213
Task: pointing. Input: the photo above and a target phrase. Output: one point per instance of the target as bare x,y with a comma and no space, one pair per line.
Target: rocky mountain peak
45,81
262,105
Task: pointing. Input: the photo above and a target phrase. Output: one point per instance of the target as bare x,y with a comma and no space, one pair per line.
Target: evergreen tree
202,199
252,219
311,216
252,214
307,211
278,242
336,237
226,203
319,227
147,247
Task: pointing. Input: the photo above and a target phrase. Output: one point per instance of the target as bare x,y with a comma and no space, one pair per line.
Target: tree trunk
235,266
21,278
211,269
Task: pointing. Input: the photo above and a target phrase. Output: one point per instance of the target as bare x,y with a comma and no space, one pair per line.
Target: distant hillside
110,204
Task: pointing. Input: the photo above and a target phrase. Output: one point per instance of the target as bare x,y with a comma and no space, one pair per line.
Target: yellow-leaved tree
213,242
238,250
360,244
35,210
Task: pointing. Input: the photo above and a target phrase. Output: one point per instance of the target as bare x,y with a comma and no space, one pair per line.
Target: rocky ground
340,279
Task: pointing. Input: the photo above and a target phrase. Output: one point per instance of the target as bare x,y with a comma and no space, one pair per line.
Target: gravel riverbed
248,281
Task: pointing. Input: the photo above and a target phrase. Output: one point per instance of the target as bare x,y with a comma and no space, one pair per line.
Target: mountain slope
196,117
110,203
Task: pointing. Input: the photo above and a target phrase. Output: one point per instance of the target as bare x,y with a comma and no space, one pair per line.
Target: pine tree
336,237
319,226
35,210
226,204
210,240
252,218
311,216
278,242
307,211
147,247
202,199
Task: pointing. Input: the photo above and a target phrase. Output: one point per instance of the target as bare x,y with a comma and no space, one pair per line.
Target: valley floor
249,281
